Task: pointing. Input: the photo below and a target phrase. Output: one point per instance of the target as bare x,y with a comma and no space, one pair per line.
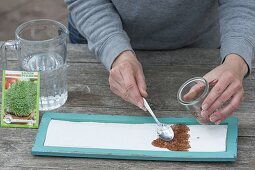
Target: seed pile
180,141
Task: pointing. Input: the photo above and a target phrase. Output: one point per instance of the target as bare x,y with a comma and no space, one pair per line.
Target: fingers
228,110
222,99
194,92
131,87
140,79
128,83
216,91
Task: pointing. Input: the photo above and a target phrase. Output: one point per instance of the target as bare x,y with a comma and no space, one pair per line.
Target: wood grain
89,92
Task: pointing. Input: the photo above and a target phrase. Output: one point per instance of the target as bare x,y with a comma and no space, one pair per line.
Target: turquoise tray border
39,149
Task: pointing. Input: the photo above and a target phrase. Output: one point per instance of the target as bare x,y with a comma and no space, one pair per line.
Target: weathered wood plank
153,73
23,159
160,101
80,53
89,92
181,56
189,56
91,84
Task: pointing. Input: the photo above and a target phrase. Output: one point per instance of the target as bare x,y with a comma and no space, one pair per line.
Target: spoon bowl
165,132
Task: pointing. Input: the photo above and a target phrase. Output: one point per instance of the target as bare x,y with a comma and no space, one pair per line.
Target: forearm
101,25
238,29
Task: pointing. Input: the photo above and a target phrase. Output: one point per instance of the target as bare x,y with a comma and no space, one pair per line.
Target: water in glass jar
53,78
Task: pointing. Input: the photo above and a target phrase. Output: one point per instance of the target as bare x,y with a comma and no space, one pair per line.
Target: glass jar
192,94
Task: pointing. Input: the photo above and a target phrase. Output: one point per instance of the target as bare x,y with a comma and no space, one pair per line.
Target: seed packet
20,99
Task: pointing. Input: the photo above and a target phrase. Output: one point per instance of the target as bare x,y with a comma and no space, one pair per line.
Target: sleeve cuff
240,47
115,45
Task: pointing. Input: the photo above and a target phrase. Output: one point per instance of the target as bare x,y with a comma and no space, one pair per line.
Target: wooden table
89,91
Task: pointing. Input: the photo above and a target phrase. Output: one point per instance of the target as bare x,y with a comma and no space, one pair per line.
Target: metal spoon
8,119
165,132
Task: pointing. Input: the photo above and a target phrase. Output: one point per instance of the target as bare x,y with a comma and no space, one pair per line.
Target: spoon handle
150,111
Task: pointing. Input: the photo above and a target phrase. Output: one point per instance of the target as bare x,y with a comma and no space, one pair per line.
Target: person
113,28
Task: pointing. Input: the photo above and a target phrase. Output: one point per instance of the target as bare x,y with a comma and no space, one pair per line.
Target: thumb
140,80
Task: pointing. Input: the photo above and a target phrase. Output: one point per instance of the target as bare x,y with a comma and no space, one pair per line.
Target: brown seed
180,141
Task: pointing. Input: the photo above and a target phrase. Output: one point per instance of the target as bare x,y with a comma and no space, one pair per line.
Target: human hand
227,94
127,80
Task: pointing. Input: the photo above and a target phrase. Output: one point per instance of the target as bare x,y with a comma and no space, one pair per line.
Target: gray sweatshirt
113,26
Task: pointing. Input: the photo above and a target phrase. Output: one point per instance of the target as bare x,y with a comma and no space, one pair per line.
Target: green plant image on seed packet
20,99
